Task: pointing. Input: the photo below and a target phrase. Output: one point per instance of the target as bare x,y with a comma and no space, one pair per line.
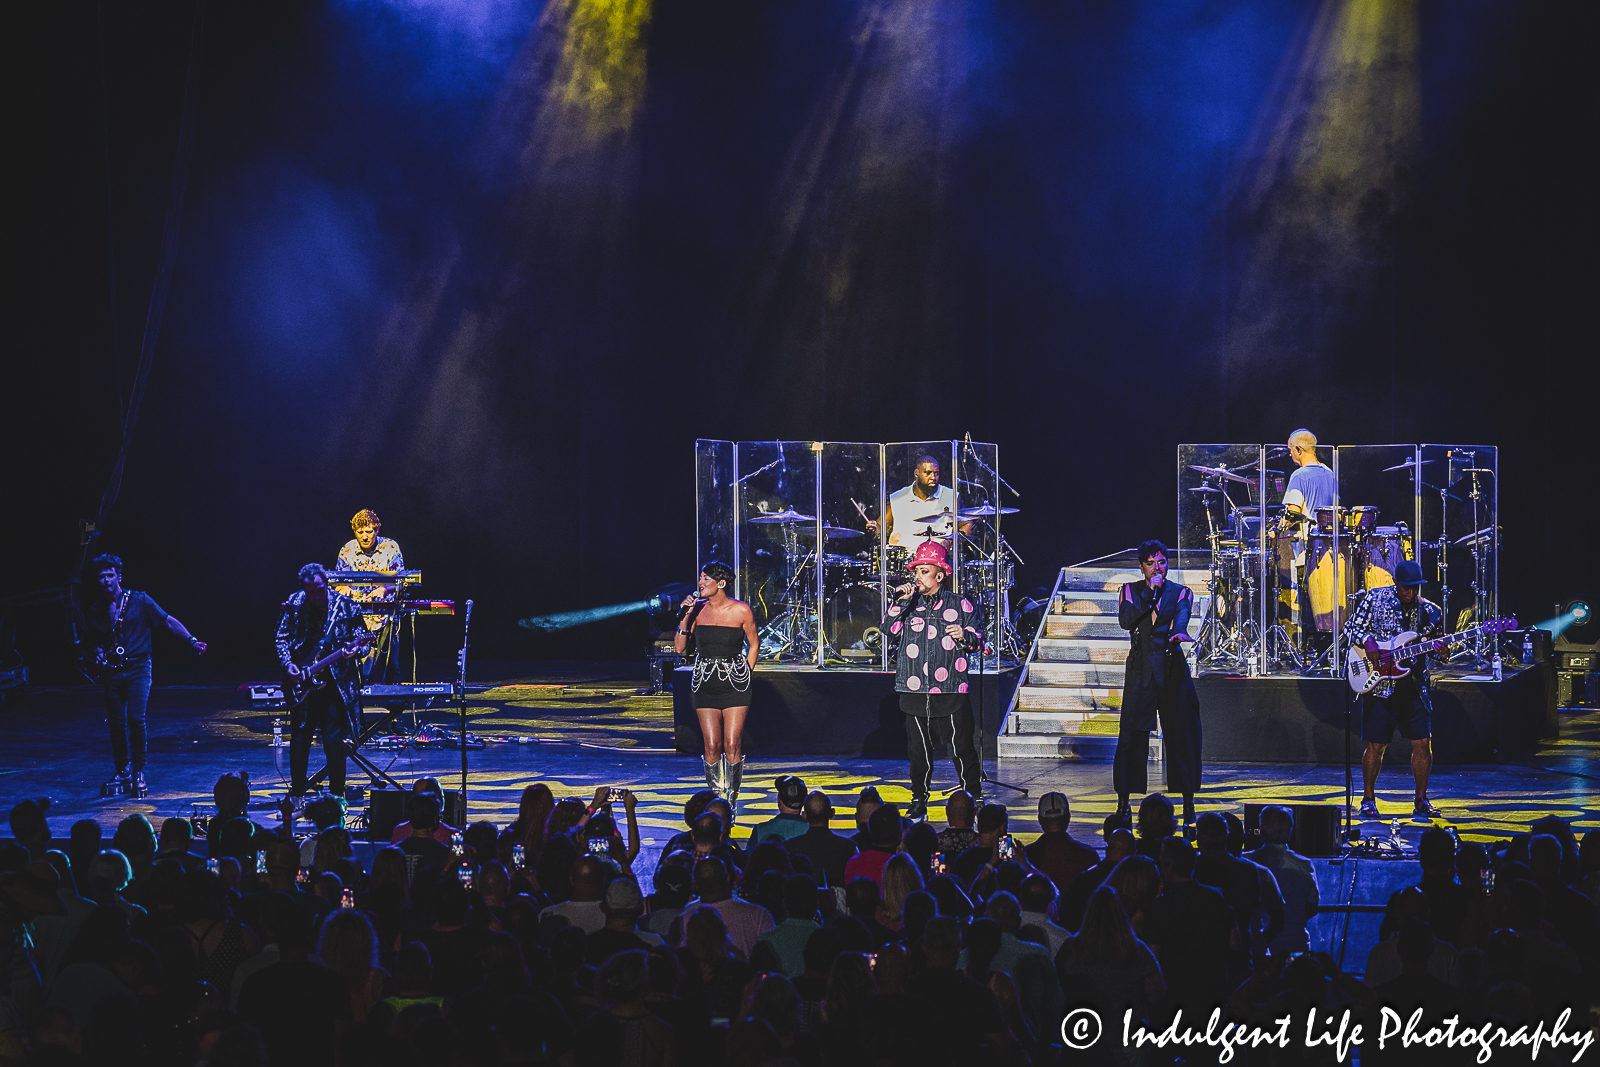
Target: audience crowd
900,942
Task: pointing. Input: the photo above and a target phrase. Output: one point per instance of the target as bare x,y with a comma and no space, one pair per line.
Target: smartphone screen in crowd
261,861
1007,848
347,897
519,855
464,873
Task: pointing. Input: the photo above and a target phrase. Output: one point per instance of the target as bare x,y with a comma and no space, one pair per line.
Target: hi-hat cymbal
830,531
1204,489
1219,472
787,515
1407,465
986,511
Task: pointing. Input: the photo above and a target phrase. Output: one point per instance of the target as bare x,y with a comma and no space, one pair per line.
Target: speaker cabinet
1316,827
386,809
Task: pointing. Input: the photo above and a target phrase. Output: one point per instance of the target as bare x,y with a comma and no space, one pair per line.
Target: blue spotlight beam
567,619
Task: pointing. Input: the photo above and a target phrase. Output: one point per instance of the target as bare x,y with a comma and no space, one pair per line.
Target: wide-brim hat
1408,573
932,553
34,889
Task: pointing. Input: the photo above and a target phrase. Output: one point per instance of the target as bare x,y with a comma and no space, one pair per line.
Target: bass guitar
317,676
1366,666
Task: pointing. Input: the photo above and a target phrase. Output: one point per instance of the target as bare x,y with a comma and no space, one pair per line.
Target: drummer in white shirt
924,497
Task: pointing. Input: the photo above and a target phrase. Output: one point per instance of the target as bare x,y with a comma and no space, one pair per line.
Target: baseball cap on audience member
1052,806
791,791
623,895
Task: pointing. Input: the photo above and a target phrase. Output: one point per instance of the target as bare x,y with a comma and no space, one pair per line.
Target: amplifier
410,689
1316,827
386,809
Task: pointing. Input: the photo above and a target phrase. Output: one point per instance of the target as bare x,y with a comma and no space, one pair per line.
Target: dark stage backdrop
489,269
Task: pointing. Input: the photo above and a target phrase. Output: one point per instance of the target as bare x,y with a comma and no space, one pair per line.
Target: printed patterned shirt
385,557
930,660
1380,615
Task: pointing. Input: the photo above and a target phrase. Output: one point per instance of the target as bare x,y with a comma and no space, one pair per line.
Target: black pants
1178,706
324,709
127,698
940,719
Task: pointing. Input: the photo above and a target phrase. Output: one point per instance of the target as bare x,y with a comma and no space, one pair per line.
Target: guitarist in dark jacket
316,623
1406,702
1155,612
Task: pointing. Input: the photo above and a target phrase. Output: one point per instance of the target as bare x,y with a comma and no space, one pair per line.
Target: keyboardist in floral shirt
935,632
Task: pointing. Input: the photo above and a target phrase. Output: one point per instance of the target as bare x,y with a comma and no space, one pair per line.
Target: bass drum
852,621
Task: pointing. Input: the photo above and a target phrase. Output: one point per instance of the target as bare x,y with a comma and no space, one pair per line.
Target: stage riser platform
1301,720
839,712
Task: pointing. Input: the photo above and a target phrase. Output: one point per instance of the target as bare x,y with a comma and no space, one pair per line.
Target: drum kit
852,595
1341,553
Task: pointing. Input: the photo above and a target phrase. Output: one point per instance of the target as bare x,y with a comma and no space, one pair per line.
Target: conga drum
1288,610
1386,548
1328,580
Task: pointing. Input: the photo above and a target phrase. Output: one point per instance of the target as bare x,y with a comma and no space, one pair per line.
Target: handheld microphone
469,613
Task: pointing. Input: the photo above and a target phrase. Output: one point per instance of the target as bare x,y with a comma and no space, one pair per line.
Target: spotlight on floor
1575,613
566,620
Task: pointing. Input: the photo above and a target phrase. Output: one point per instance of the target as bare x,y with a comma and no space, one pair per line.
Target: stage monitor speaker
386,809
1316,827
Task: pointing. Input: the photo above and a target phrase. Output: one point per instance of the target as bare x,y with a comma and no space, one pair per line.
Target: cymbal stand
789,631
1482,609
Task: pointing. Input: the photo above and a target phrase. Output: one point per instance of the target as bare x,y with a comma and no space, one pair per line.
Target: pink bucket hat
930,552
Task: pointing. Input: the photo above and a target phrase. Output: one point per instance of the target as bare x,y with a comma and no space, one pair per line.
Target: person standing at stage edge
120,622
1405,702
935,631
725,649
1155,612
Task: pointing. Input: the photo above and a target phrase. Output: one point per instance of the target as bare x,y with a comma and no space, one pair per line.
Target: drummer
1313,485
923,498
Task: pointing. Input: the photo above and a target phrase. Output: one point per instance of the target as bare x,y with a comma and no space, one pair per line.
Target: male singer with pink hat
935,632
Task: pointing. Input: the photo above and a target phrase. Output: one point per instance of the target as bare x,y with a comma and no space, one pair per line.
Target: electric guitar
1366,666
316,676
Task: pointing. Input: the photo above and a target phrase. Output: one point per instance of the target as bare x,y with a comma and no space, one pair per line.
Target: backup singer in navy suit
1155,612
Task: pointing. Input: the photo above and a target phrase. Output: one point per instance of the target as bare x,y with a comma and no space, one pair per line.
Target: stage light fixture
1575,613
566,620
1579,610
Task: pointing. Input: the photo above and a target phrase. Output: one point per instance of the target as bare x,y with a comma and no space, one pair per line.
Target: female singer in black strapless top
725,640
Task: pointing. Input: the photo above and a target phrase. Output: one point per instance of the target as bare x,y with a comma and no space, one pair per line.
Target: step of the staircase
1083,649
1065,746
1112,579
1098,626
1077,723
1046,673
1076,698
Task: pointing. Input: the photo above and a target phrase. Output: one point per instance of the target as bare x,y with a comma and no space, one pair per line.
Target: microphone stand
461,697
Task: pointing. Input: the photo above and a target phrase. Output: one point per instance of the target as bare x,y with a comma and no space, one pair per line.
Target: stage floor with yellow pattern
584,725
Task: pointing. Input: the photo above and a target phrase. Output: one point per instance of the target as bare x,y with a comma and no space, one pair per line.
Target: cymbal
986,511
831,531
938,516
1204,489
1219,472
1477,470
1480,535
1407,465
788,515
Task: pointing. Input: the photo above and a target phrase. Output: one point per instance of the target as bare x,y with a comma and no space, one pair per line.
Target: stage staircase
1070,695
